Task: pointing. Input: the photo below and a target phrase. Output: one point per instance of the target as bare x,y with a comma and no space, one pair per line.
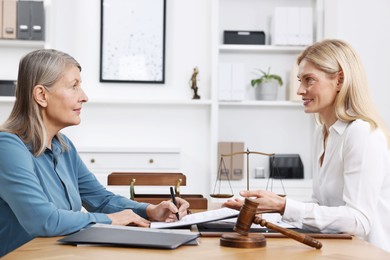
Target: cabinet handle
151,161
92,160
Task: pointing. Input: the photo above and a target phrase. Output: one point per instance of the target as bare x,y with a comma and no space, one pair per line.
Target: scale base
221,196
252,240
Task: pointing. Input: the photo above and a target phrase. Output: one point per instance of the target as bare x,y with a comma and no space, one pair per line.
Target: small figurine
193,81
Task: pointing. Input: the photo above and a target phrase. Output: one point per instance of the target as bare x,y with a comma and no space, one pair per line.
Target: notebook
129,237
199,217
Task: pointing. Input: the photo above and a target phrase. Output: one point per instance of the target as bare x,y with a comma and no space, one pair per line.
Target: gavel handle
305,239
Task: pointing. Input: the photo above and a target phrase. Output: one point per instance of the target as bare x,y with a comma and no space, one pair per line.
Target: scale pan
221,196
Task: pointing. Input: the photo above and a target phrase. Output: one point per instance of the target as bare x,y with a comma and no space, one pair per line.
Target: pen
174,201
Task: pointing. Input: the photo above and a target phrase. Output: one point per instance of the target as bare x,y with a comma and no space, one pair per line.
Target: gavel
247,216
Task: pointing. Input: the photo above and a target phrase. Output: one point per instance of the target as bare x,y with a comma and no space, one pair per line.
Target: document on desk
274,218
197,218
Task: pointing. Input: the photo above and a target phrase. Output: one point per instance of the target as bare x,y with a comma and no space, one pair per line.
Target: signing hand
166,210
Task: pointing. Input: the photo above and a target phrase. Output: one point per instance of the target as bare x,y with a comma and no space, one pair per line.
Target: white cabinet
103,161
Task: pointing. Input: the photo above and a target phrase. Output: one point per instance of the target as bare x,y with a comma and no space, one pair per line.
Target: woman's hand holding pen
166,210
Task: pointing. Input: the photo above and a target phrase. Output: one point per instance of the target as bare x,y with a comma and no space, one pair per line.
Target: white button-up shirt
351,189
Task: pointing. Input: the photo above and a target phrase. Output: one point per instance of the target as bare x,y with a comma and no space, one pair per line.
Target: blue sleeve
96,198
24,195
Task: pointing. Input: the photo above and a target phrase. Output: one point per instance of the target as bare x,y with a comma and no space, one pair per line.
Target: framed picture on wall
132,41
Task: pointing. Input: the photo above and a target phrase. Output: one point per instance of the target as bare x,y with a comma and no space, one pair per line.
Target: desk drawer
115,161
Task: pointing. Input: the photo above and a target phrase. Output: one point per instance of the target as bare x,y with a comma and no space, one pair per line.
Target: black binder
137,237
30,20
7,87
23,20
37,21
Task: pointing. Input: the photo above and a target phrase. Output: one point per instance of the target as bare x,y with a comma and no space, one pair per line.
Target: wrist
148,211
282,205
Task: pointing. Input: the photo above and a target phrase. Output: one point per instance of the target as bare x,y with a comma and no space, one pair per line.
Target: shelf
7,99
21,43
168,102
261,103
260,48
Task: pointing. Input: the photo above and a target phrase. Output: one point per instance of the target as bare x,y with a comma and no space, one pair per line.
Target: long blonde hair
354,99
41,67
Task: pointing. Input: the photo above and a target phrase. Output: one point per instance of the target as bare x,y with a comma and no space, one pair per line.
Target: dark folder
30,20
7,87
37,21
129,238
23,20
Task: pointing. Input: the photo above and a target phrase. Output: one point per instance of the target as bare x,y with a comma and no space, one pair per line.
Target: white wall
365,25
76,29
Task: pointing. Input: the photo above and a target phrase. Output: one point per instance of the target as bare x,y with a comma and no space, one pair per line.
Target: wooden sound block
252,240
147,178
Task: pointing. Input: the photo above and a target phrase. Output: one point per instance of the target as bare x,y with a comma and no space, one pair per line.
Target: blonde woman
351,159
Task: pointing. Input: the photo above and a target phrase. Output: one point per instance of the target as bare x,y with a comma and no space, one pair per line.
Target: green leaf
266,76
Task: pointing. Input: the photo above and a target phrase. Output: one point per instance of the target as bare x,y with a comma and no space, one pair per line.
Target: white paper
280,31
174,231
306,25
200,217
293,31
225,81
238,82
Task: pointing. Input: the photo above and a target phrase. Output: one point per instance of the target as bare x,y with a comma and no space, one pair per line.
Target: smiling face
63,101
318,90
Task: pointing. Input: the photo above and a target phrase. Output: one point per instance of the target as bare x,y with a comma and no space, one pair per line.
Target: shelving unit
278,126
226,48
11,50
260,103
168,102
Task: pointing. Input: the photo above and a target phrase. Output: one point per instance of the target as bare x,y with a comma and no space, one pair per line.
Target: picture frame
132,41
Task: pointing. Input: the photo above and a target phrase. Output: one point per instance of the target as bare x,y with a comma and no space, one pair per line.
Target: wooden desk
209,248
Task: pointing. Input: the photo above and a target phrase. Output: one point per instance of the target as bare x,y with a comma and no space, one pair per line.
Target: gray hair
41,67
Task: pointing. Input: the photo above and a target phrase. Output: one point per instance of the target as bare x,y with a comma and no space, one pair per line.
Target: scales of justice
249,213
223,172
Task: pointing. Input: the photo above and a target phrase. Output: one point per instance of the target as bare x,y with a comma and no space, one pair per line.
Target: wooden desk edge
278,235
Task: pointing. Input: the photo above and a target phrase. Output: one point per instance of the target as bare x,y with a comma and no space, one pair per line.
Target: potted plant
266,85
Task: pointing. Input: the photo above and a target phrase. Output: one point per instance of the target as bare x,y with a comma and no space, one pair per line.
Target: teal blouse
43,196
